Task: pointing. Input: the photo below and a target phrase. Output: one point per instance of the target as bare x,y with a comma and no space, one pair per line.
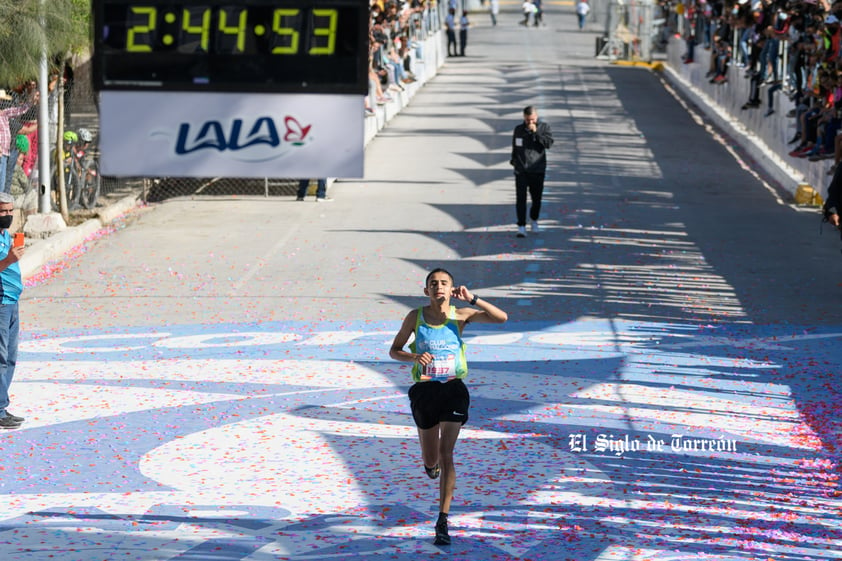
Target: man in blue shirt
11,285
450,29
539,13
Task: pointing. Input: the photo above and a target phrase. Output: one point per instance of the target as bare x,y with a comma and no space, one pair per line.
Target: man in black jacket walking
530,142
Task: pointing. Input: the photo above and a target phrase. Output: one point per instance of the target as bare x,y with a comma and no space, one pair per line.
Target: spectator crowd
783,47
19,135
396,31
19,145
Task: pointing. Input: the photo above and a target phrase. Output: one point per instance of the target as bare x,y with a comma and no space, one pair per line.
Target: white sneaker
324,200
534,225
521,231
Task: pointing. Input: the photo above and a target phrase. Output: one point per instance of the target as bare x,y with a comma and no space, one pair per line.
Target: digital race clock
293,46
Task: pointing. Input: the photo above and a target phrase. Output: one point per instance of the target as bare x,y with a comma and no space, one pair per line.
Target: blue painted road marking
588,440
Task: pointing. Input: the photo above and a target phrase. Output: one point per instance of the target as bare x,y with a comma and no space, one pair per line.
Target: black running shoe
433,472
442,537
14,418
8,423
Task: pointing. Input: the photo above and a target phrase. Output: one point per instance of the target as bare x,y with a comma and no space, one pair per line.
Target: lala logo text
261,134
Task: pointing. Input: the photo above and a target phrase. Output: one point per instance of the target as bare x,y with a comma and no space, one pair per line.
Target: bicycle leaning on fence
81,171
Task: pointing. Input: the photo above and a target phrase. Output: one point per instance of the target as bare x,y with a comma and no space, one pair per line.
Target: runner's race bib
442,368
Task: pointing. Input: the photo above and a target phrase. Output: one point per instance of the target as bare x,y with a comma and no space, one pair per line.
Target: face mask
6,222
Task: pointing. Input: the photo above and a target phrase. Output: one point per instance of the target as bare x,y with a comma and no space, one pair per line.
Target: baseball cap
22,143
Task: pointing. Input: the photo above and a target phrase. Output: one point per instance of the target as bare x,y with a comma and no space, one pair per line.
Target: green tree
67,29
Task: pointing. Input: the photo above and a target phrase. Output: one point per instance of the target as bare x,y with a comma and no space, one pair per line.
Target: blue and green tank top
445,344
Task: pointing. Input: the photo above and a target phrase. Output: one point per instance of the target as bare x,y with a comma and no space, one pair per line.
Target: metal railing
633,30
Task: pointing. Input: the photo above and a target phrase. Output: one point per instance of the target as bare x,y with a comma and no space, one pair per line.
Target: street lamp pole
44,178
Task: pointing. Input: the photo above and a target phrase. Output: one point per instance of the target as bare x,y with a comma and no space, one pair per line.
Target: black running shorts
435,402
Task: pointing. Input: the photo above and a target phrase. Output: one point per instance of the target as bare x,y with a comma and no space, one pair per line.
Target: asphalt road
211,380
640,202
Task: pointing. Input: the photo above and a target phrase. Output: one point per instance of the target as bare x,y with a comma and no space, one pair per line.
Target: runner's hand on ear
462,293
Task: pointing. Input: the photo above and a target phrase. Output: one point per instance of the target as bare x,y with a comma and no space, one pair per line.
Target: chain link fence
82,113
73,115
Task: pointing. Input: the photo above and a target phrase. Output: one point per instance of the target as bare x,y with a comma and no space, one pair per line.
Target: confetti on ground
294,441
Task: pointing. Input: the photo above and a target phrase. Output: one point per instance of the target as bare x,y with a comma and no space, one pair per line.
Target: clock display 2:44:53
280,45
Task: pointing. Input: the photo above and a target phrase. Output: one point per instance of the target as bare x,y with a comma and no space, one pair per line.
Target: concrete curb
655,66
108,214
41,252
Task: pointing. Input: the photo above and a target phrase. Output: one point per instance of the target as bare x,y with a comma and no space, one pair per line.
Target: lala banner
178,134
